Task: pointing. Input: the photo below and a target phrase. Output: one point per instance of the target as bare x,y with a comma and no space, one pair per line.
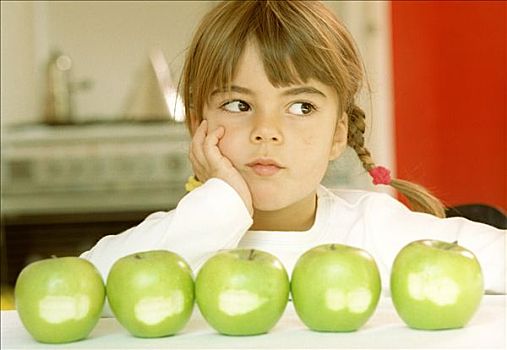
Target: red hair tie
380,175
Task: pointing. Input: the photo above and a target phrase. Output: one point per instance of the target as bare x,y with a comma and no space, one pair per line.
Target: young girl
269,90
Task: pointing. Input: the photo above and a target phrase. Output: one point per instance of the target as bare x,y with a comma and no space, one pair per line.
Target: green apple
151,293
436,285
59,300
335,288
242,291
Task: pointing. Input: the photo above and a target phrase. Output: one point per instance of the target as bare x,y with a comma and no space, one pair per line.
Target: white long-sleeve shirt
214,217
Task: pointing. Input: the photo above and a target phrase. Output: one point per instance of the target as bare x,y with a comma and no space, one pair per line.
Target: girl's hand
207,162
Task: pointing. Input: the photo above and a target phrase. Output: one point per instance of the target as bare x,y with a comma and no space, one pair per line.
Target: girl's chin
268,202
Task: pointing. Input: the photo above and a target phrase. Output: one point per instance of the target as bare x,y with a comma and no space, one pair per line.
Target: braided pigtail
418,197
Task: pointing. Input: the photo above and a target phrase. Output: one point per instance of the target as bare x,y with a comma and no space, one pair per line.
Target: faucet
60,90
58,103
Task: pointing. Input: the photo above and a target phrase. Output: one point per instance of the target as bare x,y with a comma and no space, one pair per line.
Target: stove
96,167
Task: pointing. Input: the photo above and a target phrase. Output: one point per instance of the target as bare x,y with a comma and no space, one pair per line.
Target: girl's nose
266,130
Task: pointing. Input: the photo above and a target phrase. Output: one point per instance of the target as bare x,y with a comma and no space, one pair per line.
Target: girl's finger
211,150
198,143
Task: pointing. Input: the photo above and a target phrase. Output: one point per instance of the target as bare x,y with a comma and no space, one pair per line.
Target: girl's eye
302,108
236,106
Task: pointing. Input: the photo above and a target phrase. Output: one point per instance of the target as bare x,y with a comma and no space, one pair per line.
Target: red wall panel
449,63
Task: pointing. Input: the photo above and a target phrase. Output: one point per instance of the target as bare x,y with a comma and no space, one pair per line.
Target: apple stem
53,256
451,245
333,246
252,251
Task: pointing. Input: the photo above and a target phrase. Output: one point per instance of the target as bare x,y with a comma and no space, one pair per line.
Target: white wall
20,97
109,43
121,35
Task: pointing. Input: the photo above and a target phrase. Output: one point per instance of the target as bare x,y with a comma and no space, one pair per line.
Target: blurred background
92,138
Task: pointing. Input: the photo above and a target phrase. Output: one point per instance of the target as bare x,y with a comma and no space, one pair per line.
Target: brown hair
298,40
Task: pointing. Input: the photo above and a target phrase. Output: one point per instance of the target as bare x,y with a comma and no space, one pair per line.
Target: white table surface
486,330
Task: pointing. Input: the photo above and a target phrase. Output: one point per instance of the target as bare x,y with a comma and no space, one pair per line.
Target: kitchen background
92,139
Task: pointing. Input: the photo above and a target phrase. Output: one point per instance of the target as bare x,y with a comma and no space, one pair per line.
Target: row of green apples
334,288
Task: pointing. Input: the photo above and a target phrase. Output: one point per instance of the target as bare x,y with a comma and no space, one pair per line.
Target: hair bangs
283,35
295,43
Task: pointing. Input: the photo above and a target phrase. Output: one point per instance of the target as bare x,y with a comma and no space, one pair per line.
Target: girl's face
297,127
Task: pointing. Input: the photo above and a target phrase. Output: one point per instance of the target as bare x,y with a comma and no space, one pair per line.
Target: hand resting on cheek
208,162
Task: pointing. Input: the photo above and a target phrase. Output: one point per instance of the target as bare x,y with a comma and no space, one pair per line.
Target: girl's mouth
265,166
265,170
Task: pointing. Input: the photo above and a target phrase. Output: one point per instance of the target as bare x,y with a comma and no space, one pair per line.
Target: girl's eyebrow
289,92
303,90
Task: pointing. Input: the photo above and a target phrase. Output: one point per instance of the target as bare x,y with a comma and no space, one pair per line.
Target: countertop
486,330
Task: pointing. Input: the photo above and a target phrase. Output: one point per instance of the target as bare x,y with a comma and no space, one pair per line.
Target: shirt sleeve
210,218
391,226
